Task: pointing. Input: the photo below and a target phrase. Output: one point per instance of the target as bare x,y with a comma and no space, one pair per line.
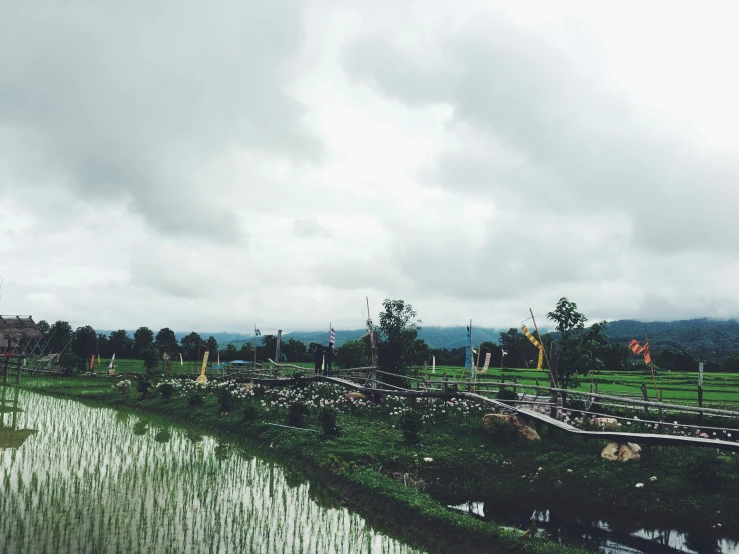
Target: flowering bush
297,414
327,419
124,387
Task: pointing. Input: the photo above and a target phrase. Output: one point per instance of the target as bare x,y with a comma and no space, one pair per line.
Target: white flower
653,478
569,471
428,460
640,485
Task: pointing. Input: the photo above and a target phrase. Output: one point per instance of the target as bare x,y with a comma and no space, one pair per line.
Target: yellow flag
98,359
202,378
537,344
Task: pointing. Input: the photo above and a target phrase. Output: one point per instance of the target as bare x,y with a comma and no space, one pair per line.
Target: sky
217,165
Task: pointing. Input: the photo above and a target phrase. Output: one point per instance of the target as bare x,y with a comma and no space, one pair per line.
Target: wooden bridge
366,380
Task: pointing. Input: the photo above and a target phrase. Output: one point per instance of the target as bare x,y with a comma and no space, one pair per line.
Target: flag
92,362
487,362
201,378
257,332
467,363
332,336
433,364
98,359
180,358
372,338
638,349
219,358
537,344
112,362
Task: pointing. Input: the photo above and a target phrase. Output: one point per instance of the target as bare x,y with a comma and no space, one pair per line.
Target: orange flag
636,348
92,362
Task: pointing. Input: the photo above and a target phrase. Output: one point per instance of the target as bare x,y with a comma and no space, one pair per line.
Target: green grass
682,387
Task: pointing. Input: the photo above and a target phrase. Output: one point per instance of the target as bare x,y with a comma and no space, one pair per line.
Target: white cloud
211,167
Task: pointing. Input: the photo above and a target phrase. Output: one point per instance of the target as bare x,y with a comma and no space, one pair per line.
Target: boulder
621,452
354,395
522,430
610,422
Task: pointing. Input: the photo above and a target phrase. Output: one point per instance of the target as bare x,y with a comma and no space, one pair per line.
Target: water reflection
10,435
604,536
91,481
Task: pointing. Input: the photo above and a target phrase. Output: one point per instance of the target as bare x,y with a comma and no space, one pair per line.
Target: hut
14,329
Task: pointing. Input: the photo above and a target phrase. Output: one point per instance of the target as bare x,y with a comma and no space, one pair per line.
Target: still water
93,480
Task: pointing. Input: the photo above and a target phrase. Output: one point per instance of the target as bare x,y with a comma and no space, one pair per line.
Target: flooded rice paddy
93,480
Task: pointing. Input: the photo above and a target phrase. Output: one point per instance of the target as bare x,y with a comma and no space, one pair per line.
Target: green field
679,387
682,387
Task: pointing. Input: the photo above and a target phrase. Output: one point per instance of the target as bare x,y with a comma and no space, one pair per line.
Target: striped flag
112,362
487,363
537,344
332,336
637,349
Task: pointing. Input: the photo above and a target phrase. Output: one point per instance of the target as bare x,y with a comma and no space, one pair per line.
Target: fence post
661,427
374,378
446,383
18,373
5,371
646,398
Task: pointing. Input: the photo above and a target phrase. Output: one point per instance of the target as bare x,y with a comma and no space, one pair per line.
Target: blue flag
467,364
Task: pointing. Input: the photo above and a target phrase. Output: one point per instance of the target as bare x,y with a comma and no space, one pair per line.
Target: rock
522,430
354,395
621,452
606,421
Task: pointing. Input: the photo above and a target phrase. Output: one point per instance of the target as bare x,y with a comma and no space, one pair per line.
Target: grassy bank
392,482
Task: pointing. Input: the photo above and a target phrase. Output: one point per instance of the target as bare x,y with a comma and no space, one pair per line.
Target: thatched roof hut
15,327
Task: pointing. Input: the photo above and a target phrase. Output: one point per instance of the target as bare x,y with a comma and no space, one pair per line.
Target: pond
94,480
608,537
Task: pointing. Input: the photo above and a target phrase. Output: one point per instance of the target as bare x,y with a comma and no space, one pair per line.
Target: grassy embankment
372,467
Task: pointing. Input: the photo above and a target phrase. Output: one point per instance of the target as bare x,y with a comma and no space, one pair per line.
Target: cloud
126,105
536,125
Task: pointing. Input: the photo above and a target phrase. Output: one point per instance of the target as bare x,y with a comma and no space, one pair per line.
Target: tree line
573,347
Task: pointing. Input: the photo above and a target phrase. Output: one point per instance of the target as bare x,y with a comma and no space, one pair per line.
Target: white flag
433,364
180,358
112,362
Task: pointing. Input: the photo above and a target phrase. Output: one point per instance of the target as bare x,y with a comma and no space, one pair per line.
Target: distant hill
704,337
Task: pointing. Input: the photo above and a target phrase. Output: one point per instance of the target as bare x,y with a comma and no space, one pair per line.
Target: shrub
250,413
150,357
195,398
225,400
411,424
166,390
501,430
327,419
69,363
576,404
297,414
506,394
143,385
124,387
703,469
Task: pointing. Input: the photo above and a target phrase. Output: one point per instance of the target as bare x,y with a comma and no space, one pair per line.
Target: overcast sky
211,165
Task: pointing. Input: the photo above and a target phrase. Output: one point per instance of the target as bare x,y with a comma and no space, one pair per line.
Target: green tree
84,342
246,352
578,350
268,347
143,338
212,346
399,347
150,361
104,346
231,353
60,337
295,350
354,353
44,327
192,346
121,344
166,341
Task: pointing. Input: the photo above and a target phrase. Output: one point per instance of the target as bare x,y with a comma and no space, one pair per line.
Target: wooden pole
700,393
479,351
651,367
5,371
552,371
18,373
255,348
426,372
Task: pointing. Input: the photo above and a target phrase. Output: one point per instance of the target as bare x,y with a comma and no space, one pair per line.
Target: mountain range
699,336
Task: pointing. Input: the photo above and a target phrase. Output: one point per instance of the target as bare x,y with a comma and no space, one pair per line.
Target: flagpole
651,366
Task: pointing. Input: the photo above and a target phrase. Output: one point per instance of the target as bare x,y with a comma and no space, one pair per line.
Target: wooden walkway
639,438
